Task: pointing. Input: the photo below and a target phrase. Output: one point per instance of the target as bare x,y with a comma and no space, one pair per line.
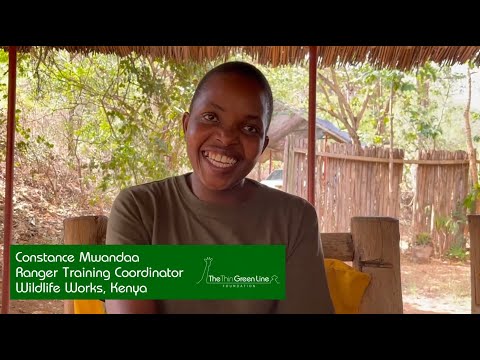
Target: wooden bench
373,247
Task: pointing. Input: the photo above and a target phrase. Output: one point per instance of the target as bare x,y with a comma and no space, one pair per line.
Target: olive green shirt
166,212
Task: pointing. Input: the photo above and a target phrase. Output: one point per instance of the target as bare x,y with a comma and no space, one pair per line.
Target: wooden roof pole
312,104
8,213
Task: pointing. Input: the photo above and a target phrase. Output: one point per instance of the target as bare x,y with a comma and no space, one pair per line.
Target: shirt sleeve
306,282
125,225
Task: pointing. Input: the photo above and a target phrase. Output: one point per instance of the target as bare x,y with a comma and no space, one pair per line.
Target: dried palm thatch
399,57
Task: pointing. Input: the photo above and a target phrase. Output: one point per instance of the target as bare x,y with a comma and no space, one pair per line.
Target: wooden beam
337,246
385,160
376,242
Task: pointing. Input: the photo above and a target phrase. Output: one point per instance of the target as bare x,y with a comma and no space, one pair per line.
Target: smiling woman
226,129
226,132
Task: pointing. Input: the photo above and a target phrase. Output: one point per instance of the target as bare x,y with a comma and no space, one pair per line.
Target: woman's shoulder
280,198
153,189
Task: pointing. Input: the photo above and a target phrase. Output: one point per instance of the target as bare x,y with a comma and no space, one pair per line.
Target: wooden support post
337,246
83,230
312,125
474,229
376,242
9,172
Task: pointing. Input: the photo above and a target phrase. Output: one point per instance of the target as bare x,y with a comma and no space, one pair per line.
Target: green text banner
147,272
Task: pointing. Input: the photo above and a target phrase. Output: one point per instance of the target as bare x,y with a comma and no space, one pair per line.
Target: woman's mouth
219,160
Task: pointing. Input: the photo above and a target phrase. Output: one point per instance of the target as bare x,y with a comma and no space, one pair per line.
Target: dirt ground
437,287
441,287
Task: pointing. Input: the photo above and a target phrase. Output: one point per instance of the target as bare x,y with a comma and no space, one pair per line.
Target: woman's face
225,131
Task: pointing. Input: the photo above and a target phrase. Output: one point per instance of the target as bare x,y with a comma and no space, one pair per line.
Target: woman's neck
236,195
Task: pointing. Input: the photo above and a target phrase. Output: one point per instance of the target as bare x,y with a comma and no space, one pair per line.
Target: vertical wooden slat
286,163
318,189
436,206
429,176
341,186
396,185
348,185
335,189
399,181
358,186
374,185
395,190
385,186
363,191
416,199
368,176
292,171
446,206
339,214
332,190
421,195
370,194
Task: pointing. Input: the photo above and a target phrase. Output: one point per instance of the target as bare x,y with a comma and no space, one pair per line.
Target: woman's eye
251,129
209,117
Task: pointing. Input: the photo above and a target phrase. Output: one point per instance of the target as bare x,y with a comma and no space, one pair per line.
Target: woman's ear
265,143
185,118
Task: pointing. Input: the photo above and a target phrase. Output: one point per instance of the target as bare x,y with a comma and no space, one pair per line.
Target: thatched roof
400,57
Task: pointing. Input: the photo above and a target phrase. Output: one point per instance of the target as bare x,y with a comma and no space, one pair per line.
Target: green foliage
472,197
447,224
289,85
428,118
3,58
423,238
457,252
453,225
122,116
475,116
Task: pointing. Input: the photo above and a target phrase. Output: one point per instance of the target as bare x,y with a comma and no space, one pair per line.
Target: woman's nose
227,135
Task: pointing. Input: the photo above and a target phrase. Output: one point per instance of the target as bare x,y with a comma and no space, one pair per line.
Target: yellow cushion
88,307
347,286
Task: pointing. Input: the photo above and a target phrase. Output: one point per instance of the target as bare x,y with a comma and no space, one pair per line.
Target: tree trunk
423,102
355,139
70,132
345,112
381,120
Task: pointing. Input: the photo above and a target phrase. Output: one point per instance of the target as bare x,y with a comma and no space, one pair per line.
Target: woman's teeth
219,160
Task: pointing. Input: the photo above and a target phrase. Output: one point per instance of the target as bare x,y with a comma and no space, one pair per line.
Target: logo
234,280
